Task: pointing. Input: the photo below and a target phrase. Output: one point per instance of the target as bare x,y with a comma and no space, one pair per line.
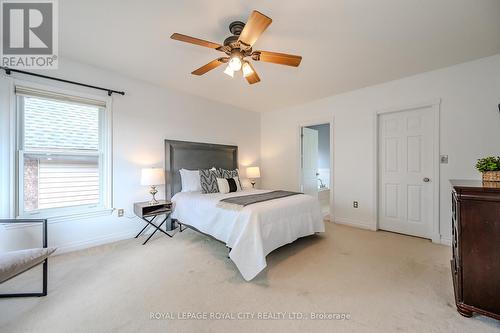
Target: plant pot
491,184
491,176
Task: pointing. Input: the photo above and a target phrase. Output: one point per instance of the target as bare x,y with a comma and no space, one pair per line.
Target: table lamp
252,174
152,177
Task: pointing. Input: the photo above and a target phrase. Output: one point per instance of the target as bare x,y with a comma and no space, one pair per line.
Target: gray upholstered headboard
193,156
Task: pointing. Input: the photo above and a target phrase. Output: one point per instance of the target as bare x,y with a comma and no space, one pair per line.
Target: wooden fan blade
254,77
193,40
277,58
208,67
255,26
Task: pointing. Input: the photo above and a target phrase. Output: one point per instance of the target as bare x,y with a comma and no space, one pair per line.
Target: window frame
104,154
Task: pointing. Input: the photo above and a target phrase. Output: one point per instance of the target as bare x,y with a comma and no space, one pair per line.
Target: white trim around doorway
319,121
436,106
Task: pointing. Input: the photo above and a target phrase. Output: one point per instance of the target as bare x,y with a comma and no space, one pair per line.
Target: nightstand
148,213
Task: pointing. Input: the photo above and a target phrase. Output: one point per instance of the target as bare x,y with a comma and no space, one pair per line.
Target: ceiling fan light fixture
235,63
247,69
229,71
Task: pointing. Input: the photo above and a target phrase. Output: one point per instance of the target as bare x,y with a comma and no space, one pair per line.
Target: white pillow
190,180
223,185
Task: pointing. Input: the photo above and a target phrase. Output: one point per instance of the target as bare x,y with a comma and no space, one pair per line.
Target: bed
252,232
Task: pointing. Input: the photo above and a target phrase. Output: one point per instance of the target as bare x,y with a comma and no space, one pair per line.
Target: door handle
426,180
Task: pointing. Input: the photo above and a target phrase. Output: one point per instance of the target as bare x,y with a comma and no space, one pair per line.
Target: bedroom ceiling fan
238,47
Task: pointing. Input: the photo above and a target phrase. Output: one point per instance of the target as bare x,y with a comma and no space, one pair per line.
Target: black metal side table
149,213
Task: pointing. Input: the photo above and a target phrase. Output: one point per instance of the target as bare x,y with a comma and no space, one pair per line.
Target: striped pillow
230,174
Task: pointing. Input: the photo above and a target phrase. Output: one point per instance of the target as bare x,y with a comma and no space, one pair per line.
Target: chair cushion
16,262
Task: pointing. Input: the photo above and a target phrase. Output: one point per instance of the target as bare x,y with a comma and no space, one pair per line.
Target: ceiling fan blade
211,65
254,77
277,58
255,26
193,40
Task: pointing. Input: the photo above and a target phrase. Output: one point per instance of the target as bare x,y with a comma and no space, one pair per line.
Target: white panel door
406,166
310,161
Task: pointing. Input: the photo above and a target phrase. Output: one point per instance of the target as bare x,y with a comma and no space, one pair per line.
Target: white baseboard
353,223
368,226
84,244
445,241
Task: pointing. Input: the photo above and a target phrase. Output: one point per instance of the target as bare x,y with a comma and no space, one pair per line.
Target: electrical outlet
355,204
120,212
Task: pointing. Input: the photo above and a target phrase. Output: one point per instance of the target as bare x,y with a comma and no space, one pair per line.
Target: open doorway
315,163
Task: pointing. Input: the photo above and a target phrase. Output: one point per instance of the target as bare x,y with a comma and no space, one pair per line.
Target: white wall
470,129
142,119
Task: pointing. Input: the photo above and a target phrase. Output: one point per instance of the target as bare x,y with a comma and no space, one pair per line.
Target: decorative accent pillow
227,185
190,180
230,174
208,181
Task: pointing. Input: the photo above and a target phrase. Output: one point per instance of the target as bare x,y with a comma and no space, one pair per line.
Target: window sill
63,217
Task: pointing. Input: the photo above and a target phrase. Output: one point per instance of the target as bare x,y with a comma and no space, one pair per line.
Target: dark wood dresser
475,265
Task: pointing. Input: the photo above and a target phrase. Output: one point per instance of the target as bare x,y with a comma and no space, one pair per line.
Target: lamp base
253,183
153,192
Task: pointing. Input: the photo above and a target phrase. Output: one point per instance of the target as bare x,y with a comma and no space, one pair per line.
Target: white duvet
254,231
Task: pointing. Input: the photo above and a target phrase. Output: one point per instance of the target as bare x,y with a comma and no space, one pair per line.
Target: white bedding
254,231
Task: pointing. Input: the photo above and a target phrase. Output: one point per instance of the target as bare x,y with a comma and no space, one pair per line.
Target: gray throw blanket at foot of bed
237,203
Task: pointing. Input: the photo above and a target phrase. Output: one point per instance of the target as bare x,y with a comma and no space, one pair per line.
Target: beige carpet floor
384,282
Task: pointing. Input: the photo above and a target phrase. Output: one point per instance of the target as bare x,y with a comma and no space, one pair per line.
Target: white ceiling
345,44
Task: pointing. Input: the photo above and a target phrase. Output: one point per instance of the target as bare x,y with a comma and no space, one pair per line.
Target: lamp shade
253,172
152,176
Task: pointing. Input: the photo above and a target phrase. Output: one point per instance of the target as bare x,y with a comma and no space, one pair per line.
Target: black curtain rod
110,91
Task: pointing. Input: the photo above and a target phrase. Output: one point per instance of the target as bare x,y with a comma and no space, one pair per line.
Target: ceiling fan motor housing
230,40
236,27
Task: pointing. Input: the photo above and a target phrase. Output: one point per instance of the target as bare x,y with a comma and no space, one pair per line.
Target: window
62,154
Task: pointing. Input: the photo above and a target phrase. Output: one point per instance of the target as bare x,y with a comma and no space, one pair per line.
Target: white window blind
31,92
61,152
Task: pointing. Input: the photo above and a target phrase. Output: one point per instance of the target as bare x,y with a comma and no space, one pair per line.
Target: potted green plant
490,168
